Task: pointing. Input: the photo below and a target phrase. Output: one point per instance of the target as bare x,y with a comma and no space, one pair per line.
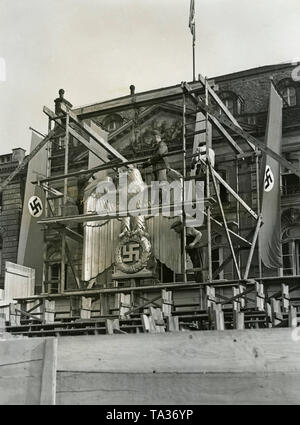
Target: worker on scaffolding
193,238
199,160
159,161
162,171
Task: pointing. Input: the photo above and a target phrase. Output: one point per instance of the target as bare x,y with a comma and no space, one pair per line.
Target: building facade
130,121
11,205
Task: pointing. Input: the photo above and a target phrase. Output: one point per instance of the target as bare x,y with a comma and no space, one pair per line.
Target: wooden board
227,367
230,351
182,388
19,281
28,371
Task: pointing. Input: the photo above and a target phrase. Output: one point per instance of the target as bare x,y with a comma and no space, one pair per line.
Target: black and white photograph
149,205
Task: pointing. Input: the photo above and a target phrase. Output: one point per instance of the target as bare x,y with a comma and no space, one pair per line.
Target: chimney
132,90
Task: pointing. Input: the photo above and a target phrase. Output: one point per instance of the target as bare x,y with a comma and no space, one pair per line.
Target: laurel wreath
141,263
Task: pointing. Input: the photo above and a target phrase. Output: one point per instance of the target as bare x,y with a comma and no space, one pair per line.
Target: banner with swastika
35,206
30,233
270,232
269,179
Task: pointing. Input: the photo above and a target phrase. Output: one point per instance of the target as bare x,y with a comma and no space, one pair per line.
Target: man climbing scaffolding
193,238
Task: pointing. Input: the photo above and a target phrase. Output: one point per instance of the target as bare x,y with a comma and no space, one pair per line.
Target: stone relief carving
142,140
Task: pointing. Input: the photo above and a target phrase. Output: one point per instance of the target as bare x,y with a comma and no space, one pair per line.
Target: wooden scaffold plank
276,312
85,307
48,311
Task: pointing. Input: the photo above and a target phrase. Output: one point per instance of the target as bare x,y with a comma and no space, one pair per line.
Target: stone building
129,121
11,205
246,94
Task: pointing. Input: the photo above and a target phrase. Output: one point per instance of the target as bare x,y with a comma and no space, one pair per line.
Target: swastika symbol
35,206
269,179
131,252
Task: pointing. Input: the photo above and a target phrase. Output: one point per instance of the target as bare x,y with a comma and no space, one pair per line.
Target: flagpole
194,71
192,27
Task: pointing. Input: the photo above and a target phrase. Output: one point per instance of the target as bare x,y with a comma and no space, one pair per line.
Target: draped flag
192,18
270,232
31,241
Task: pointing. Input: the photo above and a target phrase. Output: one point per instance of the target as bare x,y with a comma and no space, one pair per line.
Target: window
291,257
289,95
55,275
233,102
229,103
224,195
290,184
112,125
54,278
215,257
287,259
112,122
251,119
289,90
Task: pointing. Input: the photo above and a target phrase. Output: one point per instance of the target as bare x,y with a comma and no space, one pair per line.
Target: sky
95,49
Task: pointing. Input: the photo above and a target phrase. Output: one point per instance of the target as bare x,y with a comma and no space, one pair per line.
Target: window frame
112,119
237,101
285,85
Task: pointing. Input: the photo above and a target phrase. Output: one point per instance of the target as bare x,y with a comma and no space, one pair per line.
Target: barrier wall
28,371
209,367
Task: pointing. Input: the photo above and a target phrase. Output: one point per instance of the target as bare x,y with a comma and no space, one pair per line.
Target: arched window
232,101
290,91
112,122
289,95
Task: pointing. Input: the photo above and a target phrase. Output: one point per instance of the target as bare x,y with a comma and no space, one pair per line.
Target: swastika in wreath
269,179
131,252
35,206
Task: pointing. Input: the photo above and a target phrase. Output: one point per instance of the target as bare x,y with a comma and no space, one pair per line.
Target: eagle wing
166,243
100,240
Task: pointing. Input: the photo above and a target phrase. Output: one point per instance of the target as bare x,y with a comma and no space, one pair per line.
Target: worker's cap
176,224
156,133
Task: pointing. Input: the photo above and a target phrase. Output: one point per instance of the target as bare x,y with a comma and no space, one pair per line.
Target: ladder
206,119
202,143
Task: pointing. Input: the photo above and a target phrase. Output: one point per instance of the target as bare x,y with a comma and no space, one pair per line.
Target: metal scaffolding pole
48,172
183,187
64,207
208,210
238,207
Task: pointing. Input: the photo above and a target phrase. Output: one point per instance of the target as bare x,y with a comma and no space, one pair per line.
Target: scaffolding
197,98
